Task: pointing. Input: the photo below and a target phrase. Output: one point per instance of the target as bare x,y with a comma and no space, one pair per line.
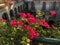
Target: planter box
51,41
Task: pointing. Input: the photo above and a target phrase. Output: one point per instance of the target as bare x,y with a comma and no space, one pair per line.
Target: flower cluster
32,32
14,23
44,23
30,20
53,13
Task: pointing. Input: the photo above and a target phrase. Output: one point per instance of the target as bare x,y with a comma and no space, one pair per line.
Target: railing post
7,10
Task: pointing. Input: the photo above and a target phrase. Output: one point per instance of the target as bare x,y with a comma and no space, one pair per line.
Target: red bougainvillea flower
19,23
3,20
53,13
31,30
42,20
13,23
30,16
23,15
25,26
44,23
37,21
20,13
28,13
31,20
32,33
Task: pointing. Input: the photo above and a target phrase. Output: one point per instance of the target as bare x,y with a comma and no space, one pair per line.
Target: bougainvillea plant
21,31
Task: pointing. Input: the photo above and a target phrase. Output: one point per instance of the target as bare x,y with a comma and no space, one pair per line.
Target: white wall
38,6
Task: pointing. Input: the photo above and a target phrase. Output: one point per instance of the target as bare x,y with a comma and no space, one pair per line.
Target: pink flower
37,21
28,13
31,20
46,25
53,13
31,30
23,15
32,33
30,16
19,23
42,20
13,23
20,13
25,26
3,20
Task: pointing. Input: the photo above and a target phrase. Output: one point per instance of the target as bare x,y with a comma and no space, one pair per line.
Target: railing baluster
11,14
5,16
